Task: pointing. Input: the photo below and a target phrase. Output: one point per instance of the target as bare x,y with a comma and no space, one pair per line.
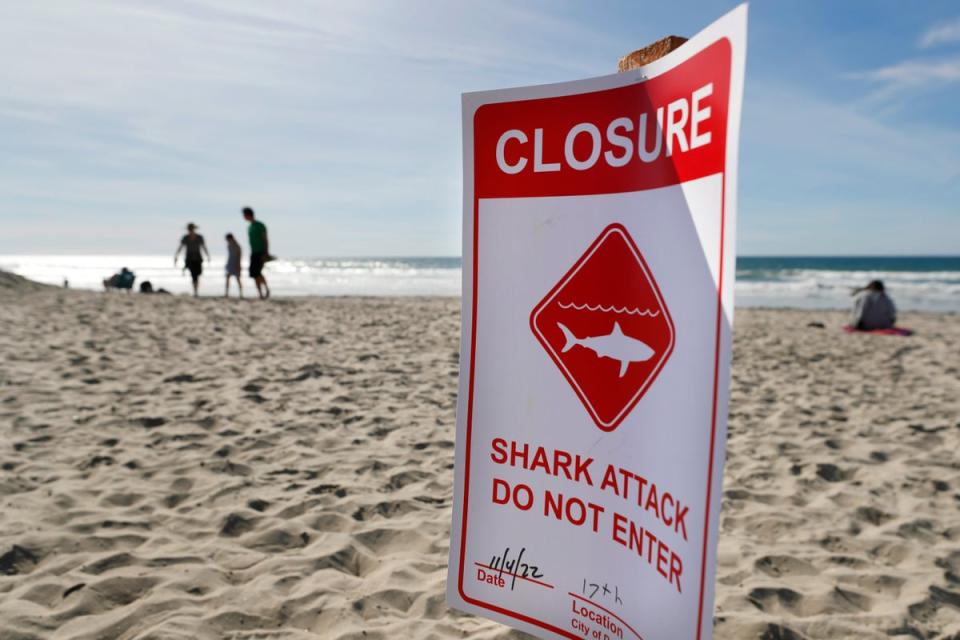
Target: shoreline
915,283
33,285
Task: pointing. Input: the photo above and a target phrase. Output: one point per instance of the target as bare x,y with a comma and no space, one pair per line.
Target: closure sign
597,313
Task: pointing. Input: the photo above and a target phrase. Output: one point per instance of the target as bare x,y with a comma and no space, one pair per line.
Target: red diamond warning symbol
607,327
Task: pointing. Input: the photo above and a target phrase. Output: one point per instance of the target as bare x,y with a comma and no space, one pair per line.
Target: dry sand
172,468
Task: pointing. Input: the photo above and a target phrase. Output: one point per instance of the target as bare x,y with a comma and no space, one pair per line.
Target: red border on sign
616,227
470,395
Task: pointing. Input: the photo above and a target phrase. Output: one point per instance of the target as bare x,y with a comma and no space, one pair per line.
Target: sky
339,122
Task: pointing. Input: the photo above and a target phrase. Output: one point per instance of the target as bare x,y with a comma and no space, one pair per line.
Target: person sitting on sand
122,280
873,308
193,243
234,259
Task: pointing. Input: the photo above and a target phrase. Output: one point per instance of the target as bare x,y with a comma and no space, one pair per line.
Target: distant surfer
872,308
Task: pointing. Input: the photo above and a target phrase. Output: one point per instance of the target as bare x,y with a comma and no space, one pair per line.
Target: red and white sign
597,316
606,326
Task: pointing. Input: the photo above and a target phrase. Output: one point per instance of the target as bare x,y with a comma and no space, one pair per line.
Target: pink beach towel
895,331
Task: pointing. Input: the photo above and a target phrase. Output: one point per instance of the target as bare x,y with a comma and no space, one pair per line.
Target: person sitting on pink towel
872,308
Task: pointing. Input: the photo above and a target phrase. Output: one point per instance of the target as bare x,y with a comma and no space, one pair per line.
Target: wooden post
649,53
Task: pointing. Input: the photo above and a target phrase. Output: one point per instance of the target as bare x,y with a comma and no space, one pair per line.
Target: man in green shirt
259,251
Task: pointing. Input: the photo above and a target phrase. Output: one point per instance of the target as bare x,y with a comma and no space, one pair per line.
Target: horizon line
460,257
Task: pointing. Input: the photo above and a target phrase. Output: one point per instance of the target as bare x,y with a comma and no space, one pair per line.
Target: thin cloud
916,72
875,185
942,33
842,144
909,75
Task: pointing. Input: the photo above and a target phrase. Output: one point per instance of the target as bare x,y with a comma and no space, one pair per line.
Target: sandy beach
175,468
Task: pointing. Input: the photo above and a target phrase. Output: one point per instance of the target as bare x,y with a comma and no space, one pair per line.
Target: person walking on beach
259,251
234,260
873,308
193,260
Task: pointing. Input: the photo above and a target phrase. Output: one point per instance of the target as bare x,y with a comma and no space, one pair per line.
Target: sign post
597,312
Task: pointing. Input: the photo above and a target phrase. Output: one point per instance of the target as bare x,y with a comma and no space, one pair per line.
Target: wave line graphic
599,307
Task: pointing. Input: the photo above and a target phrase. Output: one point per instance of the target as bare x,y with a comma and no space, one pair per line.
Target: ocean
915,283
920,283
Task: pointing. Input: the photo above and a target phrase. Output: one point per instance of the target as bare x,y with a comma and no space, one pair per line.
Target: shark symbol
615,345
